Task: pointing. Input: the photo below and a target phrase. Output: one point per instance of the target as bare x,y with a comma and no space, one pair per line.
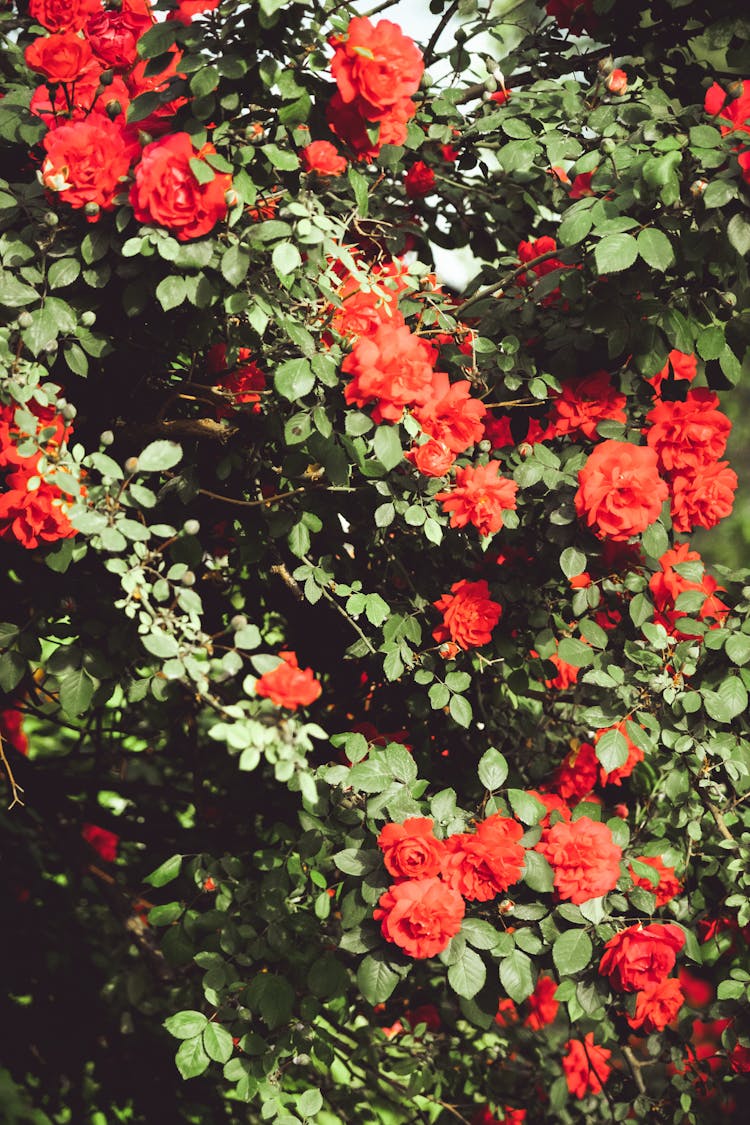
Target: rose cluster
639,959
733,118
93,160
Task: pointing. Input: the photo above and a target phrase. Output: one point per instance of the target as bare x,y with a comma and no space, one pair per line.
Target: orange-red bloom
542,1004
451,415
377,65
620,491
288,685
469,614
420,916
583,403
584,857
88,161
167,193
61,57
391,367
479,497
484,864
668,886
410,850
585,1066
323,158
641,956
657,1005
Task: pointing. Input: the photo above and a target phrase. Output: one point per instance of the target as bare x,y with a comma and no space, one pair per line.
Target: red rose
740,1059
702,499
581,405
698,992
390,367
667,585
139,82
288,685
479,497
668,885
114,33
88,161
350,123
483,865
507,1013
433,459
620,492
585,1066
617,82
469,614
61,57
11,729
641,955
734,116
581,186
187,9
167,193
243,382
410,850
419,180
687,435
322,157
378,64
657,1005
420,916
102,841
62,15
542,1004
33,516
363,310
584,857
451,415
51,431
567,674
426,1014
635,755
679,365
578,773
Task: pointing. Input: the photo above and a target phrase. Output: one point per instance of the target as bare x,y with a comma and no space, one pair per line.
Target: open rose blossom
542,1004
687,435
734,115
288,685
668,885
641,956
88,161
585,1066
410,850
378,64
479,497
620,492
584,858
61,57
62,15
352,127
667,584
451,415
578,773
583,403
433,459
702,498
31,517
391,367
114,32
482,865
469,614
657,1005
322,158
419,180
420,916
167,193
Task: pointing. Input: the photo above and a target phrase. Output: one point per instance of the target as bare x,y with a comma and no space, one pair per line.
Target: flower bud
50,219
231,198
114,109
50,347
239,621
131,465
191,527
490,85
485,446
91,209
106,77
88,318
188,578
617,83
698,187
106,438
68,411
25,319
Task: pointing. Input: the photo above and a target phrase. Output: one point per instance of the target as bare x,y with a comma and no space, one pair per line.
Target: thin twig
504,280
340,609
635,1068
445,19
15,788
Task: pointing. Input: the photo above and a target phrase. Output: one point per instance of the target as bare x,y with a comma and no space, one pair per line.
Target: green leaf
492,769
480,934
615,252
612,750
574,652
310,1103
738,232
43,330
166,872
159,456
387,446
467,975
538,874
460,710
718,193
516,976
728,702
191,1059
737,648
171,292
376,979
186,1025
711,342
575,226
235,263
572,562
572,952
286,258
655,248
294,379
217,1043
63,272
13,668
76,690
528,809
655,540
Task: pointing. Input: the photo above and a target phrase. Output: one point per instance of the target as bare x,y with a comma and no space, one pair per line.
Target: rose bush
375,738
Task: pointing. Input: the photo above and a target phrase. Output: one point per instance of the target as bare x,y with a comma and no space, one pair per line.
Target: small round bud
490,85
698,187
427,80
68,412
729,299
461,35
91,209
106,77
114,109
231,198
188,578
239,621
25,319
88,318
485,446
608,145
605,65
50,219
191,527
50,347
131,465
106,438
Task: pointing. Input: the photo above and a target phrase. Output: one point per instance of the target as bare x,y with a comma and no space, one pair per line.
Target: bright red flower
62,15
542,1004
527,252
584,857
667,584
668,886
484,864
114,32
322,157
687,435
244,382
363,310
507,1013
567,674
167,193
419,180
657,1005
679,365
577,774
469,614
102,841
76,102
734,116
288,685
61,57
582,404
552,803
391,367
11,729
420,916
617,81
635,755
500,97
410,850
698,992
620,491
479,497
33,516
88,161
581,186
377,64
451,415
641,956
186,10
585,1066
51,432
159,120
350,121
433,459
703,499
739,1059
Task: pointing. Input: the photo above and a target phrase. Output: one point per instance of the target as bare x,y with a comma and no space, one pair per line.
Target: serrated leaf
492,769
467,975
376,979
165,872
572,952
159,456
612,749
387,446
655,248
217,1043
186,1025
615,252
191,1059
516,975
